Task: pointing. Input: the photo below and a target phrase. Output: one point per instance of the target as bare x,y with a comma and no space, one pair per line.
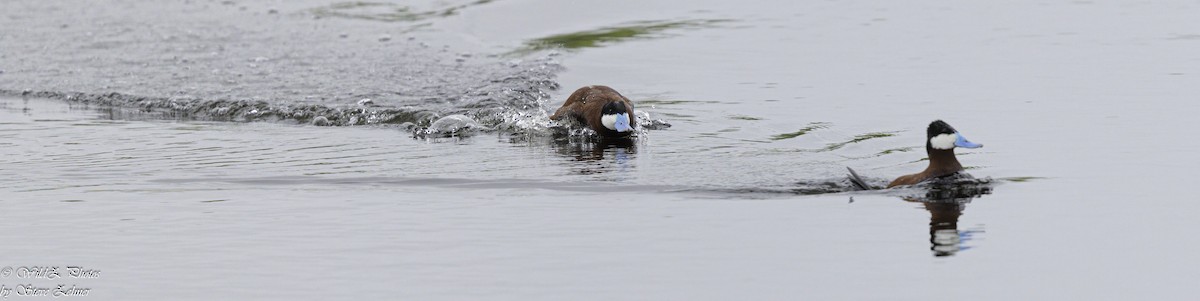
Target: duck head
940,143
615,117
942,136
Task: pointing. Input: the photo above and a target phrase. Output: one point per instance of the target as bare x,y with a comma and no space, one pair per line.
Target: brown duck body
586,106
941,163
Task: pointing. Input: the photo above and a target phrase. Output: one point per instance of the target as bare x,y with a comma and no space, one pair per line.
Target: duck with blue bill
940,141
600,108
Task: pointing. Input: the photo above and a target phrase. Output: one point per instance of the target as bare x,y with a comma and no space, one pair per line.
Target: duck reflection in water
596,156
945,199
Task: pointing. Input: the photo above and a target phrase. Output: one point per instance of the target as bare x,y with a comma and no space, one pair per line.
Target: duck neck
942,162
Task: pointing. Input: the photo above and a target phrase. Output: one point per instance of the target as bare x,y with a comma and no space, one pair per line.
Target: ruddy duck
940,141
602,109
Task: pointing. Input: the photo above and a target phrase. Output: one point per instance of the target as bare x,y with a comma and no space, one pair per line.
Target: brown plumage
942,161
587,105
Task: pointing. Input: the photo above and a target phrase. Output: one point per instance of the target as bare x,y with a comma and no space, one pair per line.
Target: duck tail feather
857,180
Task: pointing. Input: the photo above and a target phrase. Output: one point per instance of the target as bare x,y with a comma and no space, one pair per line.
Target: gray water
172,147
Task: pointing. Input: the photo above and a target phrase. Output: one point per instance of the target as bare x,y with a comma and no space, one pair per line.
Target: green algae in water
673,102
1021,179
811,127
600,37
896,150
857,139
743,117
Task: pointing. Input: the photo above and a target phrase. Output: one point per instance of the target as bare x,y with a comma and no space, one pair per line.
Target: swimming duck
940,141
602,109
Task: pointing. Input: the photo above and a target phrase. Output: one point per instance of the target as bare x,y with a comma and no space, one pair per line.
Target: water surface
1085,126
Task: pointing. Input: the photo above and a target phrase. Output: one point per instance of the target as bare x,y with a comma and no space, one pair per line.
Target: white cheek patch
610,122
943,141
